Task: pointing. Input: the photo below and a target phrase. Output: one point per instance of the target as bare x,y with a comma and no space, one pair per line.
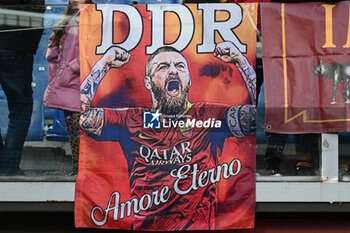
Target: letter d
186,25
135,26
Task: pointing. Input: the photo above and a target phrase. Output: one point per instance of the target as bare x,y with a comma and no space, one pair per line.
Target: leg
335,86
307,146
346,91
274,151
72,124
1,145
16,80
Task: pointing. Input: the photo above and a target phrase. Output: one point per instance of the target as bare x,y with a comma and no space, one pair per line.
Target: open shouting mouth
173,87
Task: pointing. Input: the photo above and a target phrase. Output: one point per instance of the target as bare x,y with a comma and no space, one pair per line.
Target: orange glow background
102,165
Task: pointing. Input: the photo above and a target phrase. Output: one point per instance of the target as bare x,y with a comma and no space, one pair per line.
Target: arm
92,119
241,120
52,53
227,52
74,65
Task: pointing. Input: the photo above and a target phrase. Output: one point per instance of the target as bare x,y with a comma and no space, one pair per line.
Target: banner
168,117
306,50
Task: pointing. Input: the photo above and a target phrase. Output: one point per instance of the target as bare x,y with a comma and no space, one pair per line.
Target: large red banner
306,50
168,117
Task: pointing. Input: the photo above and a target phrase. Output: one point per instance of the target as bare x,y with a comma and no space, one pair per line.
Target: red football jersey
173,156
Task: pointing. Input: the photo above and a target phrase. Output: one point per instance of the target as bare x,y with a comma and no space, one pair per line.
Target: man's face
171,81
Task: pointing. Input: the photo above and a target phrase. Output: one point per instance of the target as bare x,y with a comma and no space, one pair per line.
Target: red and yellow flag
168,122
306,51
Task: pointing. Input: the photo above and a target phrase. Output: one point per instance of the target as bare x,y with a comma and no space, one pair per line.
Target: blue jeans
16,81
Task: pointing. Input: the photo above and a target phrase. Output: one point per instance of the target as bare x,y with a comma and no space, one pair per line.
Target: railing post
329,161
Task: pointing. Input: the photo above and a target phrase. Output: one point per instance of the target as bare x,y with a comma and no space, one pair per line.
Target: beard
171,105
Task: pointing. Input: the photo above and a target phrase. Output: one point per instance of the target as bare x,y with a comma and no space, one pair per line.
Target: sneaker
273,172
304,169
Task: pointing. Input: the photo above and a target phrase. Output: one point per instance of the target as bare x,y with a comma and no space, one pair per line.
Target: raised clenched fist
116,57
227,52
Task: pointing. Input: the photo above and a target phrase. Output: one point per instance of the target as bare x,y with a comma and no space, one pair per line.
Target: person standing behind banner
63,90
17,47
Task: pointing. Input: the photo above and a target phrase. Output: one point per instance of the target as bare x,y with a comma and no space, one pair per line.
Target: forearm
248,75
91,120
89,86
242,120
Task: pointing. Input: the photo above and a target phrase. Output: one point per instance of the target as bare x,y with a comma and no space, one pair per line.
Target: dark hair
70,10
158,51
